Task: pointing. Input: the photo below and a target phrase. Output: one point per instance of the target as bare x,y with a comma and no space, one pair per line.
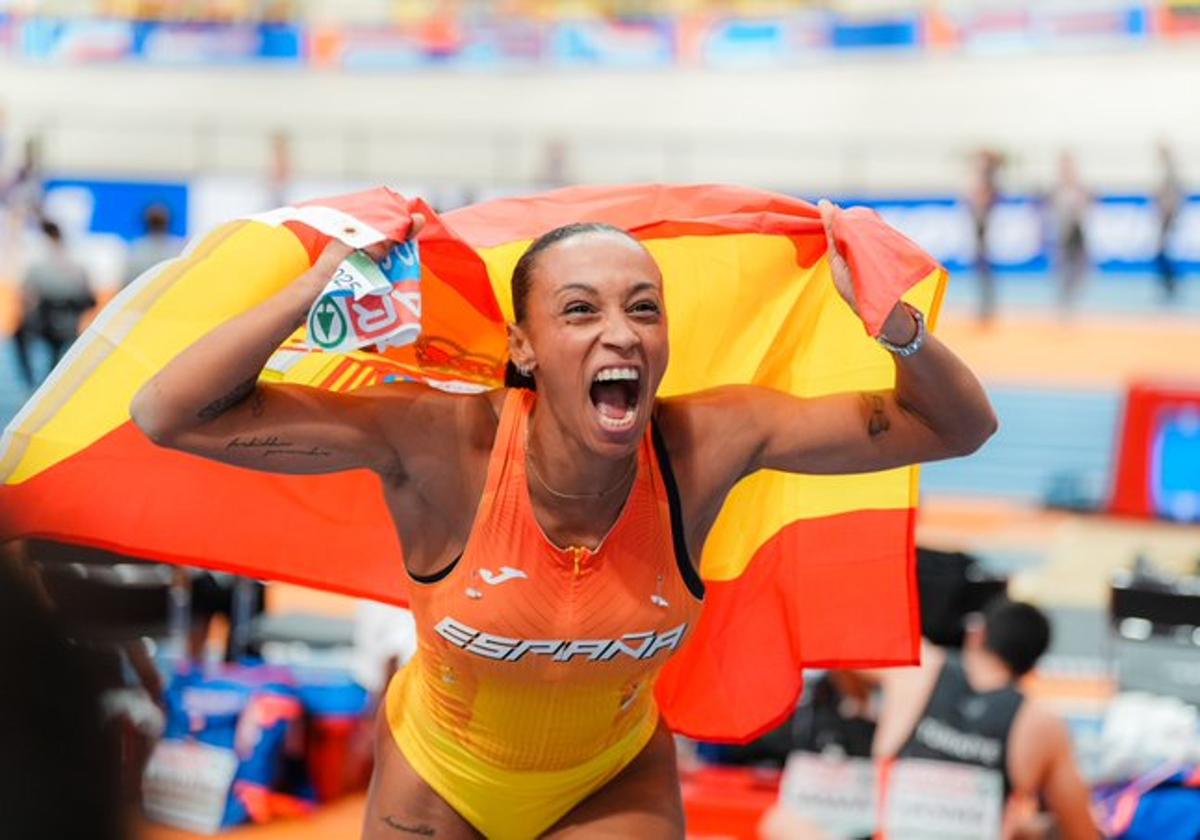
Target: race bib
186,785
834,793
367,303
939,800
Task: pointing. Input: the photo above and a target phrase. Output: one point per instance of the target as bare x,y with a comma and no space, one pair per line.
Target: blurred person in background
1068,210
965,708
58,771
56,291
21,193
155,245
982,197
1169,197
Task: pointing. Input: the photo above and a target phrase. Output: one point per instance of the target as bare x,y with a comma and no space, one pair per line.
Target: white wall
880,124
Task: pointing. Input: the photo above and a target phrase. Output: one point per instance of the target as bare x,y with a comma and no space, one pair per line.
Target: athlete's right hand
336,251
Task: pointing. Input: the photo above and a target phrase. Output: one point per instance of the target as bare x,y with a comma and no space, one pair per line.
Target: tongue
611,399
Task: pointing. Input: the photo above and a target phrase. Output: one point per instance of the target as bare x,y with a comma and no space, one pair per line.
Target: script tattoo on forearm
877,419
222,404
420,829
274,445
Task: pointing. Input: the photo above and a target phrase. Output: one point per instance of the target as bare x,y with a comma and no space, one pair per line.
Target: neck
986,671
567,466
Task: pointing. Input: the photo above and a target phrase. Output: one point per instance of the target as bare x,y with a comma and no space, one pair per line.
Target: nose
619,333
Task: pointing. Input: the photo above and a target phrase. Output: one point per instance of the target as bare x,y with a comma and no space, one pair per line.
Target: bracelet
917,340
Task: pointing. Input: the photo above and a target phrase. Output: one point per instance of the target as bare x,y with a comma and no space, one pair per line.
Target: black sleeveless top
965,726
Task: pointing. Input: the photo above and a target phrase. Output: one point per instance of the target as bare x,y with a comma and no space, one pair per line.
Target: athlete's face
596,332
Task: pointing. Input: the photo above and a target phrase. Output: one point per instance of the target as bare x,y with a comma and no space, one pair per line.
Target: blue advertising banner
733,43
93,40
619,44
1122,232
874,33
216,43
76,41
115,207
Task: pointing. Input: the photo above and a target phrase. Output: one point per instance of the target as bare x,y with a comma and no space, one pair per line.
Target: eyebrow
641,287
582,287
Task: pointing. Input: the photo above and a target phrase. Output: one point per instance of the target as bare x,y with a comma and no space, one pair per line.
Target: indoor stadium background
215,110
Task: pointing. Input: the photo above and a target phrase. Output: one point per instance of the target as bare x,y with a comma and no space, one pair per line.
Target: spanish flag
800,570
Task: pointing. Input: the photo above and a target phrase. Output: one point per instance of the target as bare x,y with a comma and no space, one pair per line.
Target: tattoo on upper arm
419,829
275,445
222,404
877,419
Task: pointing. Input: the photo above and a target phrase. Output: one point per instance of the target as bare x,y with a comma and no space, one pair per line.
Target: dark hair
52,230
522,279
157,218
1017,632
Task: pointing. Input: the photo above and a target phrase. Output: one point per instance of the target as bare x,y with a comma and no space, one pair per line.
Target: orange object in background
727,802
10,307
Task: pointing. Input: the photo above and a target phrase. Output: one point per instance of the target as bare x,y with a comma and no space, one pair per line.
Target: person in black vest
965,707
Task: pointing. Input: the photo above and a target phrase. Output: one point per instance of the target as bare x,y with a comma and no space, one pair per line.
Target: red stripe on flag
855,607
126,495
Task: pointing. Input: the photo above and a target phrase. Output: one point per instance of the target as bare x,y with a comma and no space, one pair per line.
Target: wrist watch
917,340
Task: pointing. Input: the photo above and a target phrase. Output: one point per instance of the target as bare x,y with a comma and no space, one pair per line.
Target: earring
525,370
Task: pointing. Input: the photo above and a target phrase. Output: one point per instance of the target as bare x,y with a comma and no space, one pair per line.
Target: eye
645,307
578,307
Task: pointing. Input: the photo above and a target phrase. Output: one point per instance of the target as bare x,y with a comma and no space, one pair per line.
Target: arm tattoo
275,445
222,404
420,829
877,419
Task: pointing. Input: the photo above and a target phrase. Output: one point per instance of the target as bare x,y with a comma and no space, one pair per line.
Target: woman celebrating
549,529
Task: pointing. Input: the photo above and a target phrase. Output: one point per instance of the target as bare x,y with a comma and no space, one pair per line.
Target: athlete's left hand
899,326
842,279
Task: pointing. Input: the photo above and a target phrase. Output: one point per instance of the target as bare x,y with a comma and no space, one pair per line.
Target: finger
418,224
379,250
827,211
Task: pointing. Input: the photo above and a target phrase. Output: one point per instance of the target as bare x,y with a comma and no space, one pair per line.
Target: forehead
607,261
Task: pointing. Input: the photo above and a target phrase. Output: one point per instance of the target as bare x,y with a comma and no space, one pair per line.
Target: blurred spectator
21,194
56,291
1170,198
982,197
279,175
154,246
58,773
1068,206
966,709
238,600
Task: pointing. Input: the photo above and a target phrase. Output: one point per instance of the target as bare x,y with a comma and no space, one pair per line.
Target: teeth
617,374
618,423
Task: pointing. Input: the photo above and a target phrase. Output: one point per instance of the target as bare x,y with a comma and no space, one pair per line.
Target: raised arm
207,400
938,409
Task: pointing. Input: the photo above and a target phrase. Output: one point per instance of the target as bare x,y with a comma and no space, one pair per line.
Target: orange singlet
533,683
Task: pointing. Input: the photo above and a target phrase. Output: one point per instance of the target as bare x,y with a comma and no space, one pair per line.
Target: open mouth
614,392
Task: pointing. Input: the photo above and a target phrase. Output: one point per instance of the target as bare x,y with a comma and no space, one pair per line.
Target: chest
541,611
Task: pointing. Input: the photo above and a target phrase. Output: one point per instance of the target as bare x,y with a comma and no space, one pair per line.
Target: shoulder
690,420
423,419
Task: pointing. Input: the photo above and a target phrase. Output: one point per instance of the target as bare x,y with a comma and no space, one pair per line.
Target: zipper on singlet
577,554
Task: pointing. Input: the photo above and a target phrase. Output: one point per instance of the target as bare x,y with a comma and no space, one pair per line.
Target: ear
975,634
520,350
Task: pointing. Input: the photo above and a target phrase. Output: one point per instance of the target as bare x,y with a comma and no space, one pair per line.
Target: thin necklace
576,496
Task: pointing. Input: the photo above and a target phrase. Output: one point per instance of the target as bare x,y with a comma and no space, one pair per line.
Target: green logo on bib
327,324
